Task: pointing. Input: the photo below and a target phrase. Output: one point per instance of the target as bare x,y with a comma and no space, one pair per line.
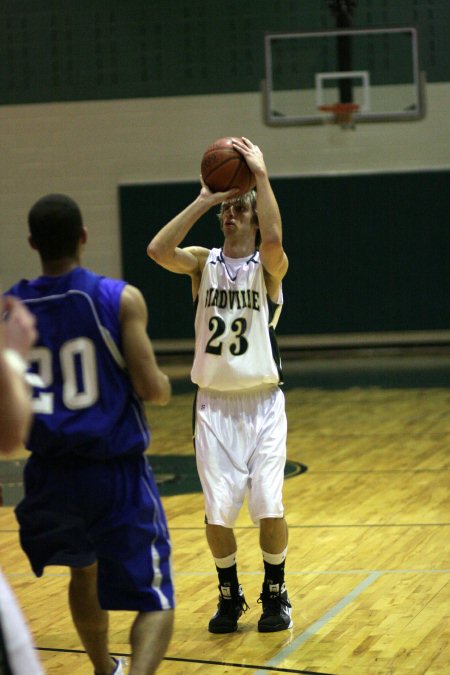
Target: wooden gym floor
368,569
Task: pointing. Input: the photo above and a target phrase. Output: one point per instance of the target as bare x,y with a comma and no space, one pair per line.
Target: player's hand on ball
252,155
216,197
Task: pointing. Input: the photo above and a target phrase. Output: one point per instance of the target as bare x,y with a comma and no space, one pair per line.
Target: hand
252,155
19,326
215,197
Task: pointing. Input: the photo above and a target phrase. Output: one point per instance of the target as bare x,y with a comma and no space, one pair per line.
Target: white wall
88,149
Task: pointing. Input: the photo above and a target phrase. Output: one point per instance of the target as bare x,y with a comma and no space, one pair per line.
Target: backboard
375,68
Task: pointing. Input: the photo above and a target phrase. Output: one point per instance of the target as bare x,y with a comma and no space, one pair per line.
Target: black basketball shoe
230,607
276,614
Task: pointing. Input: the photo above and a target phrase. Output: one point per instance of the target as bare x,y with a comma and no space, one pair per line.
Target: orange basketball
224,168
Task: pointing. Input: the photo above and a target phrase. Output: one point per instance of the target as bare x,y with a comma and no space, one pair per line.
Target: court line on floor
296,573
207,662
375,472
317,526
292,573
250,666
320,623
354,525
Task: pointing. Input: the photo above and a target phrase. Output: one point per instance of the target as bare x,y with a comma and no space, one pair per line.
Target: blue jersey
88,406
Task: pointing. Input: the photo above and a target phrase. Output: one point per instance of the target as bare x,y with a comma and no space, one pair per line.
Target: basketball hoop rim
337,108
341,113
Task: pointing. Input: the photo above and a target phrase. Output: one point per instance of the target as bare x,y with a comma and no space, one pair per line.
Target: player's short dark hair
247,200
55,224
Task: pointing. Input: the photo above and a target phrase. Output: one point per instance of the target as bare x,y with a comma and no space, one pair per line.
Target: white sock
275,558
228,561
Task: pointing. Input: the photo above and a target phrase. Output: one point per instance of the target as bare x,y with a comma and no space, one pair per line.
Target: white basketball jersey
235,344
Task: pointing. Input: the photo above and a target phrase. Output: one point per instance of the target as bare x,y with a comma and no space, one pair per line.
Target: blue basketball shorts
76,511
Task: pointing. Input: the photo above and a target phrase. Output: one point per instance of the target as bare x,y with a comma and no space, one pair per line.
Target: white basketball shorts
240,445
19,646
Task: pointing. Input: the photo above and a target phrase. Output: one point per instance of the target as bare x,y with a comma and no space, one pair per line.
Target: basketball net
341,114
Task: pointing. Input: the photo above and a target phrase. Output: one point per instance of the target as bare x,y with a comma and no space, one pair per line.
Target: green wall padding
368,253
69,50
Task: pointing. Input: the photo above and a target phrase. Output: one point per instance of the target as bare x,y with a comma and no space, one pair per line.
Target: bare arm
165,249
15,407
149,382
271,250
17,334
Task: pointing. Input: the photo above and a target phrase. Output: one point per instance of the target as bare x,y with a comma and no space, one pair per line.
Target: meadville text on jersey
235,320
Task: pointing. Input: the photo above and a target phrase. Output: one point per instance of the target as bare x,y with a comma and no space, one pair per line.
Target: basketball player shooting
240,420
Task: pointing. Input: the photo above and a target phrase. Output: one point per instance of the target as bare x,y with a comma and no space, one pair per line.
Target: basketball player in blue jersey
240,421
90,501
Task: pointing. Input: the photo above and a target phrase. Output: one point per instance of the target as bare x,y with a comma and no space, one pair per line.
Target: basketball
224,168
